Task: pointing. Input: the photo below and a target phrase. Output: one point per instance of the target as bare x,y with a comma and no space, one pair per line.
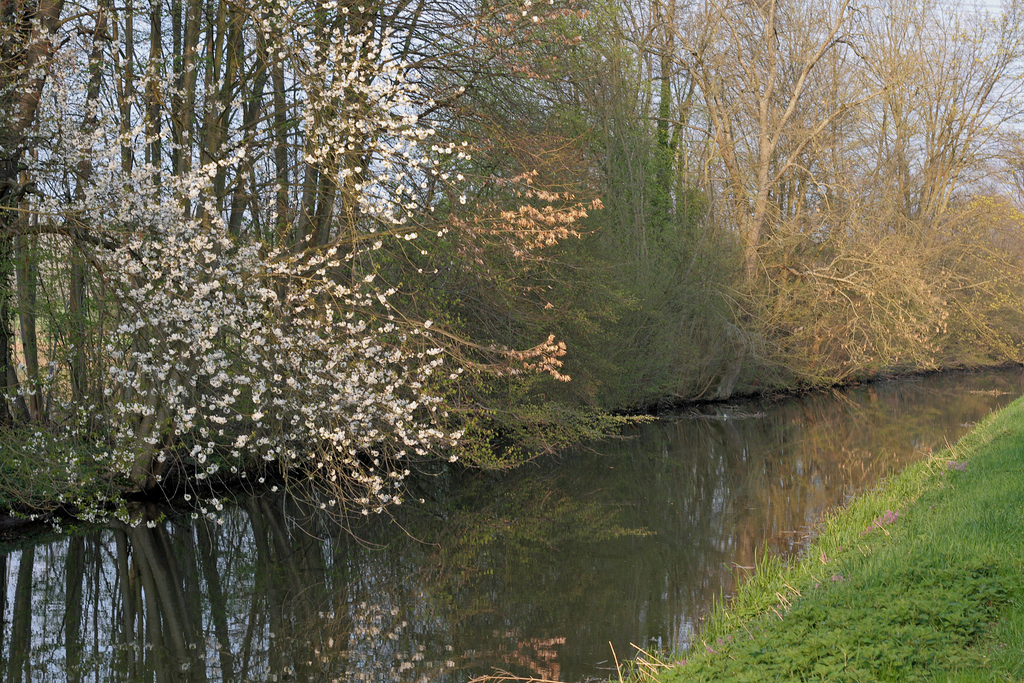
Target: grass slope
920,580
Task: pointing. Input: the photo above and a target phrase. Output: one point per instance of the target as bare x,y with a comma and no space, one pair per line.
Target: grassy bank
920,580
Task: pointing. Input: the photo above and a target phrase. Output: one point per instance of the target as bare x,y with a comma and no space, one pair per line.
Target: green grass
919,580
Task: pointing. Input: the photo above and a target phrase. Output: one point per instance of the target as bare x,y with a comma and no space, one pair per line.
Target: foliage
340,236
47,472
893,299
234,302
856,178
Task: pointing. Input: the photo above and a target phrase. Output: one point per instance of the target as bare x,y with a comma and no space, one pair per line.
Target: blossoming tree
211,200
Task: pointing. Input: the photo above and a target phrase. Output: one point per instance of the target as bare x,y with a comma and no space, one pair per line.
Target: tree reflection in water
534,571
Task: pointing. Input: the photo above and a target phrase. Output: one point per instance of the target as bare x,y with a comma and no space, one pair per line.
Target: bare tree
754,64
951,85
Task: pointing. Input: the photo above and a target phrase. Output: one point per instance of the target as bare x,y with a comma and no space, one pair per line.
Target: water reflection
534,572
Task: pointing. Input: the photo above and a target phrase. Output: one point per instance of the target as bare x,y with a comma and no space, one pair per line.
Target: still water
533,572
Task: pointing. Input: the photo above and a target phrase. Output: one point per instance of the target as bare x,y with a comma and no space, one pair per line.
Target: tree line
345,239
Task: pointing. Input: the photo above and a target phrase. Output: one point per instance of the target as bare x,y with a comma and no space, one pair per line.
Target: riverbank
58,480
921,579
669,404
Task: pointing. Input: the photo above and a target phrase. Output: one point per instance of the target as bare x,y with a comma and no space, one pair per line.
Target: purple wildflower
889,517
881,521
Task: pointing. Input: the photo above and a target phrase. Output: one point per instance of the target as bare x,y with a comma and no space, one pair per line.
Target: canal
539,572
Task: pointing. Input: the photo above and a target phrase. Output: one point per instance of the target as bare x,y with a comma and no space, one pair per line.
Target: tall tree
754,63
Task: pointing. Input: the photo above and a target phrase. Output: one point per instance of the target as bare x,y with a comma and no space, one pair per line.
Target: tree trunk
74,575
26,269
18,666
38,28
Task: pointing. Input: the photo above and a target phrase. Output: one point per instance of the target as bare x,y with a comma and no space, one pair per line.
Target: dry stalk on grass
502,676
646,664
